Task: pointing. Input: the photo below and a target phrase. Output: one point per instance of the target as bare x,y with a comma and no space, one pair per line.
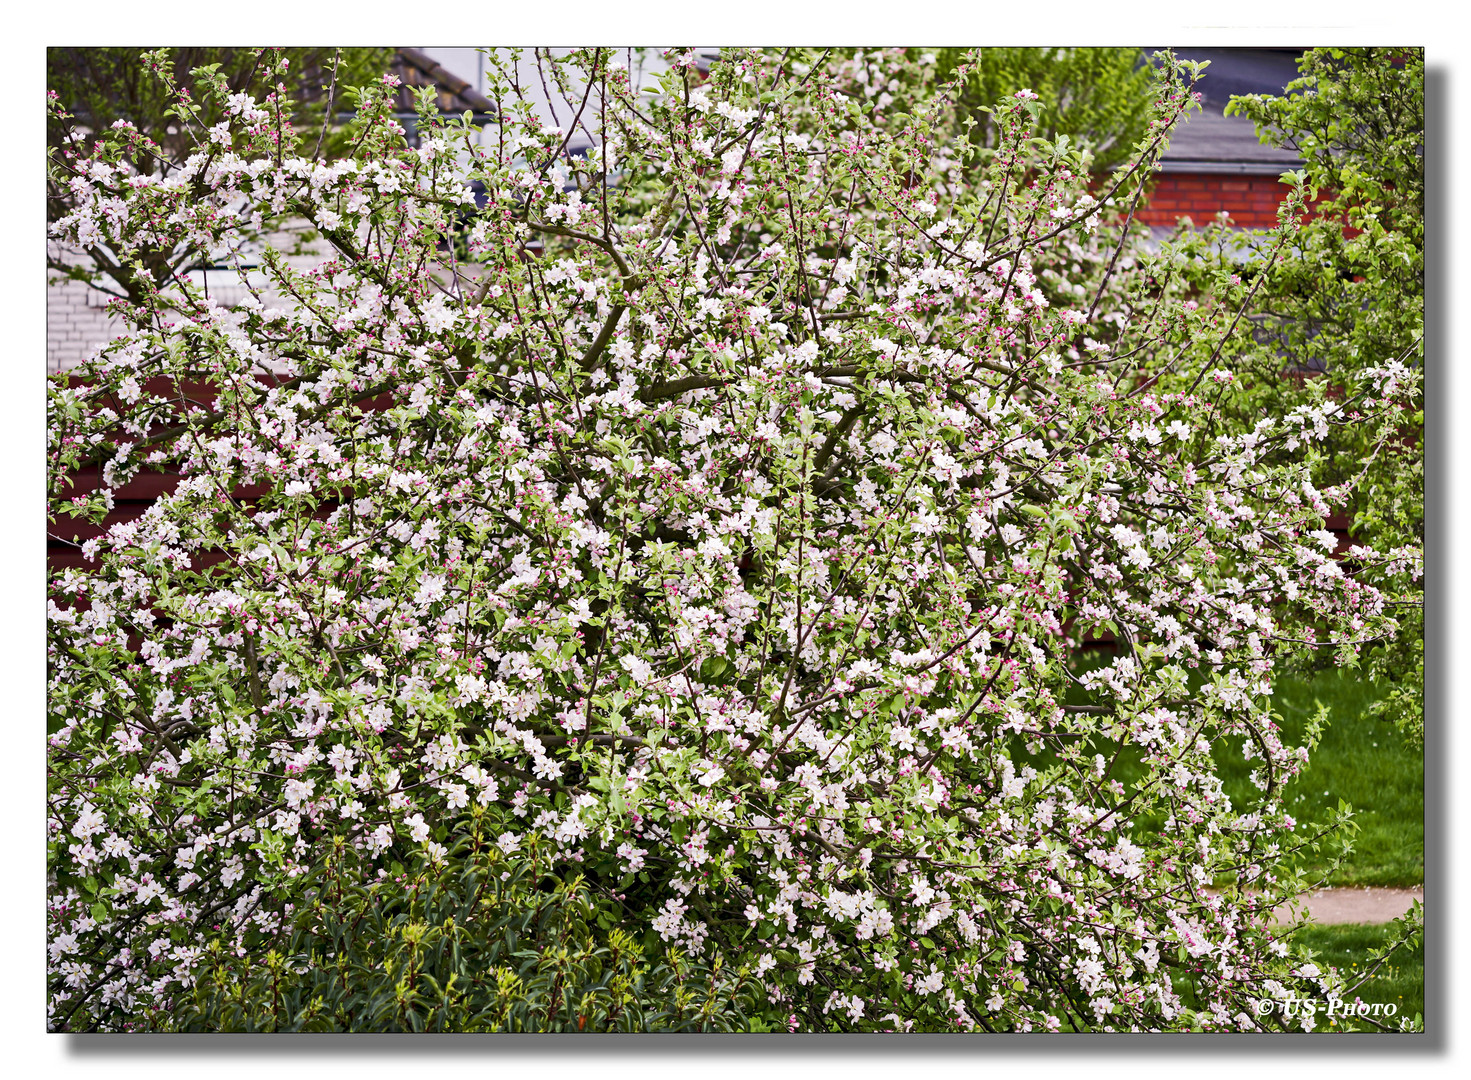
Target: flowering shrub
733,554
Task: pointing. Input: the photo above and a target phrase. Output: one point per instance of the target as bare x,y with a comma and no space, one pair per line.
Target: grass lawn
1400,981
1368,764
1361,760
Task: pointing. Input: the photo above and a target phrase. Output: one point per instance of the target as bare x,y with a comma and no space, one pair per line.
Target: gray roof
1213,142
1242,71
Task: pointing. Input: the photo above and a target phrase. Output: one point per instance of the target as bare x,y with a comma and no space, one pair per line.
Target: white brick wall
77,324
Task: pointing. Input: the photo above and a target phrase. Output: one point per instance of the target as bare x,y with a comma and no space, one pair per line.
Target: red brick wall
1251,201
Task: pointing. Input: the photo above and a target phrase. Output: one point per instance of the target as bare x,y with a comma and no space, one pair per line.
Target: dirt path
1366,905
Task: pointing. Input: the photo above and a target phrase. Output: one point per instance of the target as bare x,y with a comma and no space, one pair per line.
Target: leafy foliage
470,943
1099,97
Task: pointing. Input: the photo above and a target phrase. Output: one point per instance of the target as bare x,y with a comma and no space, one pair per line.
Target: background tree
1099,97
104,85
1349,294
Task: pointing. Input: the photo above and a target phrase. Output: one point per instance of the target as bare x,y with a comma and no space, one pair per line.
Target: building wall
76,322
1251,201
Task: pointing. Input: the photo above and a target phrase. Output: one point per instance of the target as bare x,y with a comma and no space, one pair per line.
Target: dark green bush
477,943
